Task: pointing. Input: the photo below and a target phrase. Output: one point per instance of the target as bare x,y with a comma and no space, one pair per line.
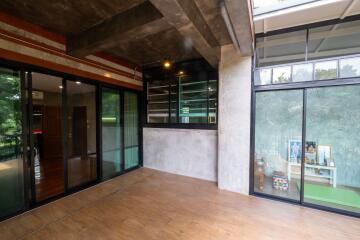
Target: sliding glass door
81,133
131,129
111,132
306,146
11,148
278,141
46,136
332,174
58,123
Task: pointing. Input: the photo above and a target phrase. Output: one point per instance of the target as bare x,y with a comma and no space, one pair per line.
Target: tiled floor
147,204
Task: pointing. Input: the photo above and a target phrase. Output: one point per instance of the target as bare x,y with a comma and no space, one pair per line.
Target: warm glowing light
181,73
61,87
167,64
107,75
78,82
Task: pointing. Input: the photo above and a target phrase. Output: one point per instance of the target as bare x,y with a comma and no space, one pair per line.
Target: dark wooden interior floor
49,175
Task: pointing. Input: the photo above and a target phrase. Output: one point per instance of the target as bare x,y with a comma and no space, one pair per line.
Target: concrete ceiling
297,16
142,31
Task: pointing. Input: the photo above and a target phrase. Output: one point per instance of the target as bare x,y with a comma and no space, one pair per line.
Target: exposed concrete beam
137,22
186,17
240,14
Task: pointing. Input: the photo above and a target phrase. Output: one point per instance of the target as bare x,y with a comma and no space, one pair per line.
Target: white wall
187,152
234,121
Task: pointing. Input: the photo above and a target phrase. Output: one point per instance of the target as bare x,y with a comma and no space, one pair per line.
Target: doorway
46,136
62,135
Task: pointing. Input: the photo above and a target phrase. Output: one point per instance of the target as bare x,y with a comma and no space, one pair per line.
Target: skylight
267,6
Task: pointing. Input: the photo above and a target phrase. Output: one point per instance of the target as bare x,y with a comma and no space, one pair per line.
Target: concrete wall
186,152
234,121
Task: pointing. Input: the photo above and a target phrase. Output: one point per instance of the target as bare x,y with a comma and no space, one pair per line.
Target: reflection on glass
281,75
302,72
332,172
11,167
349,67
334,40
212,100
157,95
325,70
131,128
47,132
281,48
82,155
278,131
263,76
193,98
111,132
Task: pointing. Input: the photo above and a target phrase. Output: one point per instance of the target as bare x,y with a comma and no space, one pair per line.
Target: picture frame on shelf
310,152
324,155
294,151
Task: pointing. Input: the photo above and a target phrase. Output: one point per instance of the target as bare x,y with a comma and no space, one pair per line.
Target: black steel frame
28,142
177,125
304,86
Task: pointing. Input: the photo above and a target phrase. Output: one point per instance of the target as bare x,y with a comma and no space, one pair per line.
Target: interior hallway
148,204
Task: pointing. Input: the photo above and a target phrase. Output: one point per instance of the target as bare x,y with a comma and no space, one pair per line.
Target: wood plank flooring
148,204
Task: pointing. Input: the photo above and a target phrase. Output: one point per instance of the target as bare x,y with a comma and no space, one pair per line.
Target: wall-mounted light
108,75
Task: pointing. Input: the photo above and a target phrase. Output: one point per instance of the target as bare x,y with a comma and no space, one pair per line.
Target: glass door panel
111,132
332,165
47,136
278,143
131,129
11,158
81,134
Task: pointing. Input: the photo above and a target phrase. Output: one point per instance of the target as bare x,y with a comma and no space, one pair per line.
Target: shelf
318,175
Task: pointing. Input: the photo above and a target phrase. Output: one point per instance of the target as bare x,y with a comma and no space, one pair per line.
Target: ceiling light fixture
167,64
61,87
78,82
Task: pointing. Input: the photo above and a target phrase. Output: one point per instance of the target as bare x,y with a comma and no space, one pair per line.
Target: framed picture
294,151
310,152
324,155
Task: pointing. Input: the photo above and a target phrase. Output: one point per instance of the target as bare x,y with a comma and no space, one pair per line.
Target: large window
111,132
11,162
323,53
131,128
326,162
278,128
82,149
306,117
332,125
185,94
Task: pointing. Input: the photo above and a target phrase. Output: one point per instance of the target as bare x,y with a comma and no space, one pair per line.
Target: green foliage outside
10,117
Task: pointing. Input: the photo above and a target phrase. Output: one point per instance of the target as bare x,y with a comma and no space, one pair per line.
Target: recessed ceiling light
107,75
78,82
61,87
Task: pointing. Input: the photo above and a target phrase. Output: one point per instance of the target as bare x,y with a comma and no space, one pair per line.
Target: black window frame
23,68
304,86
171,74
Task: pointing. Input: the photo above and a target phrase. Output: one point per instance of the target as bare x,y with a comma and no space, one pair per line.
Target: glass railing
324,69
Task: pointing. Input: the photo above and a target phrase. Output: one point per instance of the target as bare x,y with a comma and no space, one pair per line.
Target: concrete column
234,121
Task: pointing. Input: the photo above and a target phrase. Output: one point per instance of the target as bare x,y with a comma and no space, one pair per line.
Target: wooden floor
147,204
